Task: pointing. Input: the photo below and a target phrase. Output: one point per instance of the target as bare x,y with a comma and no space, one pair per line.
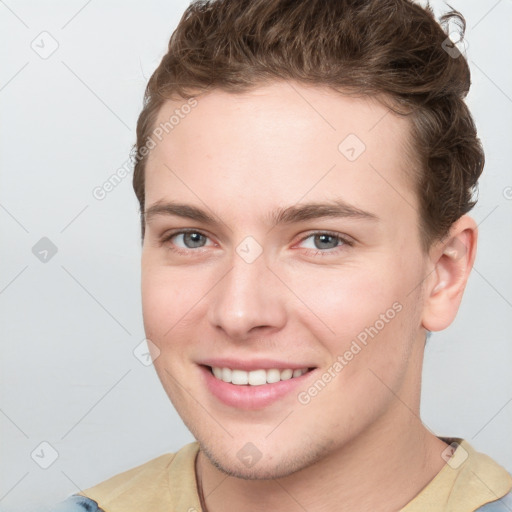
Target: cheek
365,309
169,298
345,299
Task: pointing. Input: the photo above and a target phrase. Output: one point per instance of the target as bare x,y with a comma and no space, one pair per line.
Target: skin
239,157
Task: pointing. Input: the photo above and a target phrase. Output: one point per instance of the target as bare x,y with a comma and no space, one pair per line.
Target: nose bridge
247,296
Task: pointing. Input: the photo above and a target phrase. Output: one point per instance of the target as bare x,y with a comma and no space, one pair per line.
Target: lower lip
250,397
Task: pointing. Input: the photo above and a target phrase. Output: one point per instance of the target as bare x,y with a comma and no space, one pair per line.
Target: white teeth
286,374
273,376
256,377
239,377
226,374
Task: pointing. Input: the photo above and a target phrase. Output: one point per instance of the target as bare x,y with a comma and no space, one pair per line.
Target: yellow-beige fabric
168,484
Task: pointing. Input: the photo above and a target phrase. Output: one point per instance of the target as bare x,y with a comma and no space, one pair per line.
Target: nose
248,299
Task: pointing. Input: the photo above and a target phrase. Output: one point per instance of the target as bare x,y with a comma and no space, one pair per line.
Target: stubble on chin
268,468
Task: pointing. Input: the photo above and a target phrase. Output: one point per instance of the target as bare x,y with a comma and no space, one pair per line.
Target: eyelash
316,252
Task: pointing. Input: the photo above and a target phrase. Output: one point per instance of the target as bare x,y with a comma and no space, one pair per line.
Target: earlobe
452,260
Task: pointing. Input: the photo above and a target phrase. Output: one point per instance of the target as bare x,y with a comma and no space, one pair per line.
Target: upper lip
253,364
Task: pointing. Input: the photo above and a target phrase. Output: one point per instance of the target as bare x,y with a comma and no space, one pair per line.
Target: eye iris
324,239
192,240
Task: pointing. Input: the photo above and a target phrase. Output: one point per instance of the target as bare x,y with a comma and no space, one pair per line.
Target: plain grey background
72,320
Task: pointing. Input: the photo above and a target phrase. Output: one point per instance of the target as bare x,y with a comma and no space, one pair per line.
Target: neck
381,470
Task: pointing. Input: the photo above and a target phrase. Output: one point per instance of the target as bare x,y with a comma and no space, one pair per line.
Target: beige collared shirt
168,484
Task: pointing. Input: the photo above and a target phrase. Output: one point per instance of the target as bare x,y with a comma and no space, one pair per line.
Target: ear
451,262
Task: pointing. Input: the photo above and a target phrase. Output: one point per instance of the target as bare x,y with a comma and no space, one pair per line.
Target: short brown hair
383,48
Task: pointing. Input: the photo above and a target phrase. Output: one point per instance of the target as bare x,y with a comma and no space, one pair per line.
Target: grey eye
322,241
192,240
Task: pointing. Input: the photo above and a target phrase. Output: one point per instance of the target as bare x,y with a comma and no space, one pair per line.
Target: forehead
278,143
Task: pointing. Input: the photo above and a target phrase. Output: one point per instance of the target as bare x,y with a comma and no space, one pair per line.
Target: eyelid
345,241
164,241
167,236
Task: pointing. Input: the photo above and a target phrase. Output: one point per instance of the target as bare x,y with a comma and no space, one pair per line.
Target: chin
280,465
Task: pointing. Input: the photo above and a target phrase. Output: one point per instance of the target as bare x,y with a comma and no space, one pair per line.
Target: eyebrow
289,215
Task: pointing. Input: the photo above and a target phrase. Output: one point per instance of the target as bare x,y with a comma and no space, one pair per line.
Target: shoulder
77,504
504,504
154,485
479,479
152,470
164,483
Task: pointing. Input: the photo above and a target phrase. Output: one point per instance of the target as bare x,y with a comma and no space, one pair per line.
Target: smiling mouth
258,377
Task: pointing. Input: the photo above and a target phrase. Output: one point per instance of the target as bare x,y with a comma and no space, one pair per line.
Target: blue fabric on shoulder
502,505
77,504
82,504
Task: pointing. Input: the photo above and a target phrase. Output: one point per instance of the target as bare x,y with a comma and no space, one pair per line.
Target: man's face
260,288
